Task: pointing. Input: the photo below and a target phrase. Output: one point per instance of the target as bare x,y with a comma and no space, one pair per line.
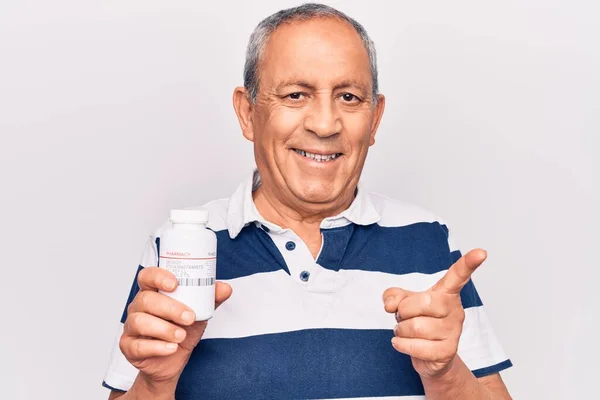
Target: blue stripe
251,252
132,293
492,369
418,248
421,247
106,385
314,363
469,296
335,243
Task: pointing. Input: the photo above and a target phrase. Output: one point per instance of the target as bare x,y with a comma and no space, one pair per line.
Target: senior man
323,274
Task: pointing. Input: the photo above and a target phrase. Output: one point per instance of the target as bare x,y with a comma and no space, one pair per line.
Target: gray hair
305,12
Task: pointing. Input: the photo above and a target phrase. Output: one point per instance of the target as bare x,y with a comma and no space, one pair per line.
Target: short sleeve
120,374
479,348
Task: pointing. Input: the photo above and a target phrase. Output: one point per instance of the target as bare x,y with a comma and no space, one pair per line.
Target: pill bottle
189,250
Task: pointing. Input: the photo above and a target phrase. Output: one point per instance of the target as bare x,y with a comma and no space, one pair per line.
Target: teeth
318,157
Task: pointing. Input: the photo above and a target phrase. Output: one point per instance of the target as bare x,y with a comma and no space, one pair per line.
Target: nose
323,118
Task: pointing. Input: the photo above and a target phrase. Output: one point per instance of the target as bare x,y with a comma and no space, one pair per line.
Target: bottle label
188,270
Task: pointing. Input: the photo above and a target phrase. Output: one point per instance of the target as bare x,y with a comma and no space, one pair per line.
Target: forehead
322,51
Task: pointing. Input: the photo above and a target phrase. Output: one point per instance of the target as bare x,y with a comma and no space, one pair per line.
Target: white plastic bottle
189,251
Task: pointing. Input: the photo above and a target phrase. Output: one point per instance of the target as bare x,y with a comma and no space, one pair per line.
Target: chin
316,191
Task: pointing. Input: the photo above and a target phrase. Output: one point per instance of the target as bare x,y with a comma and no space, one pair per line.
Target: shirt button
304,275
290,245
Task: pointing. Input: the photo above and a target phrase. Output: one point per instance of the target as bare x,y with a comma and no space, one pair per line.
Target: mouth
322,158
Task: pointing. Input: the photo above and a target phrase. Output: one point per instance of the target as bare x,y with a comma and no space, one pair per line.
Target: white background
112,112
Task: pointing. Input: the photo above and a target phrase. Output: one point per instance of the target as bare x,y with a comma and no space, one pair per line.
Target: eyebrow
296,82
350,83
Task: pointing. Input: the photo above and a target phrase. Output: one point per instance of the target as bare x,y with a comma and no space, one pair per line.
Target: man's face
314,117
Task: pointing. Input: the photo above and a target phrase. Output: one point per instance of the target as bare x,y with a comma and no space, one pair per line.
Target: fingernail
180,334
188,316
169,284
171,346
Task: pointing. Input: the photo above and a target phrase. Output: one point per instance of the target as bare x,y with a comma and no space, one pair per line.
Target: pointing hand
430,323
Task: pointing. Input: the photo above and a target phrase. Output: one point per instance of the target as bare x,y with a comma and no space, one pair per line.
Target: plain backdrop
113,112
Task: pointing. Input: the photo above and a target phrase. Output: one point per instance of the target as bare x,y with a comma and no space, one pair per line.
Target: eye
295,96
349,98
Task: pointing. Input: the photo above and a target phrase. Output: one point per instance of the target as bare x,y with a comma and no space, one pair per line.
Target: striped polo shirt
300,328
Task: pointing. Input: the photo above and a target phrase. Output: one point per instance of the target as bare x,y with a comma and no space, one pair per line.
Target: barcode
196,281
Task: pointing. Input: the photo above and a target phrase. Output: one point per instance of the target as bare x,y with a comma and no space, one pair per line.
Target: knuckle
415,326
445,309
142,276
412,347
144,299
123,345
134,321
138,349
427,300
148,276
174,310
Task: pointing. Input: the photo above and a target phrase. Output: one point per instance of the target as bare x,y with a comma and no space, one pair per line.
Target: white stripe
479,347
120,373
271,302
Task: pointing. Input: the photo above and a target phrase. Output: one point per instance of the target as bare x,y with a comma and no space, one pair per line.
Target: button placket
298,258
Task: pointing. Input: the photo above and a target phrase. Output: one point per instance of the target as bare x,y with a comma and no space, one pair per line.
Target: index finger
154,278
459,274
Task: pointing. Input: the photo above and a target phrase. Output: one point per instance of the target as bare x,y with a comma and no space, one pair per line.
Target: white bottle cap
197,216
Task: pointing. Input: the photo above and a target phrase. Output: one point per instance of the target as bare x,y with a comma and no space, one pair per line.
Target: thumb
392,298
222,293
459,274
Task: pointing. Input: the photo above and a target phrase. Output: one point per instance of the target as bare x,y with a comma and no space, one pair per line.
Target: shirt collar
242,210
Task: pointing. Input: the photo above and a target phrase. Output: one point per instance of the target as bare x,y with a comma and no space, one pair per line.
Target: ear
377,114
243,110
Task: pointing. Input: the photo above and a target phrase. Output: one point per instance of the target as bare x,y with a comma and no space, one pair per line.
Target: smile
318,157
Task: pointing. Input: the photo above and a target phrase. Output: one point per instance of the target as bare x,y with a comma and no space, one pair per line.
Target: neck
286,213
304,219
